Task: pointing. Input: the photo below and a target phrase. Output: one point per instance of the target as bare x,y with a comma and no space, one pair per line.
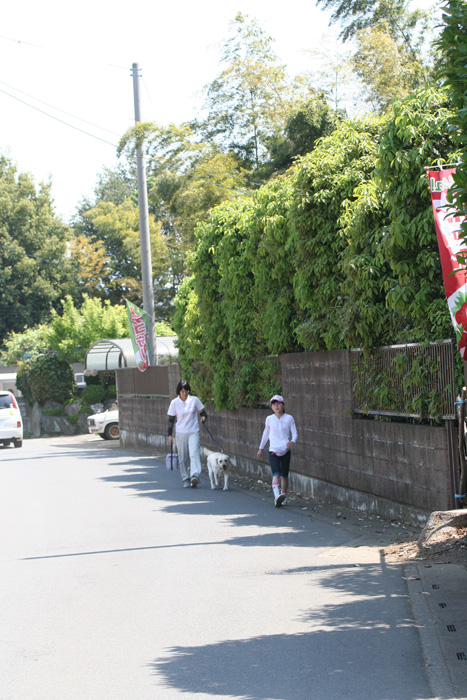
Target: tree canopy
248,101
355,15
34,271
276,222
453,72
341,252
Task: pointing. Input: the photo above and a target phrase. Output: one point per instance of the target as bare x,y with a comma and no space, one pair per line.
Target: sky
66,91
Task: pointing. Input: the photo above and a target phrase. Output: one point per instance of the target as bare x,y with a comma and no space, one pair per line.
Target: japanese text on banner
451,244
137,319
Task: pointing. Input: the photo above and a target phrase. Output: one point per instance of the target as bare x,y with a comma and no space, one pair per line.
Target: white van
11,422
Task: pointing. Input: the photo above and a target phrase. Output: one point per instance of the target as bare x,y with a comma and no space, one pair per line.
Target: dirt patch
443,540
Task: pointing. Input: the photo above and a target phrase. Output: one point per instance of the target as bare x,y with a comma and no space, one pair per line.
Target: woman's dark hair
183,384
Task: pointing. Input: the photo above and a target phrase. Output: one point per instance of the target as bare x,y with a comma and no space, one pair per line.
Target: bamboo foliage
339,252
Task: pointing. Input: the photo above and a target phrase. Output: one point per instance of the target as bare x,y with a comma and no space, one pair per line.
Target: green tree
306,123
354,15
223,314
339,252
89,265
384,66
105,253
365,319
186,178
248,101
333,76
33,266
117,227
115,185
20,346
73,332
453,72
391,59
206,185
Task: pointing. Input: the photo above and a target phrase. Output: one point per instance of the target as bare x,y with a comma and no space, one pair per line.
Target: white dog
218,464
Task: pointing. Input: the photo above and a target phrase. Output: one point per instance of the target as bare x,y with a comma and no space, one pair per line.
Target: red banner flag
451,243
137,319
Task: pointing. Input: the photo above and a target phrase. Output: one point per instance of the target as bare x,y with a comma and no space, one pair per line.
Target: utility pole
146,265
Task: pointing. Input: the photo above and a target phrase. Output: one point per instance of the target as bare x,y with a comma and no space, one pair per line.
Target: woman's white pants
189,461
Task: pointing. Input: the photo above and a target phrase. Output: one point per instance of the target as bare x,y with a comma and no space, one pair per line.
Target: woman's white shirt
186,413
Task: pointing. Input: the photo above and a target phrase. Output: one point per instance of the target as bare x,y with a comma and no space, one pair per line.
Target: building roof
115,354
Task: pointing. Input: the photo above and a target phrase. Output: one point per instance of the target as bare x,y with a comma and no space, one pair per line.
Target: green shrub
45,377
53,411
111,391
92,394
22,382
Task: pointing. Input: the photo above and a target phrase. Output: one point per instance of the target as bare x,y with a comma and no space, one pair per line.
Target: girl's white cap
276,397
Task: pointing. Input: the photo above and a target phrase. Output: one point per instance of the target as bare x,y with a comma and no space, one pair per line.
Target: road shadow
338,659
145,478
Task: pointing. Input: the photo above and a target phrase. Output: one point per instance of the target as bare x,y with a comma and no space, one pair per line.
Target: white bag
171,461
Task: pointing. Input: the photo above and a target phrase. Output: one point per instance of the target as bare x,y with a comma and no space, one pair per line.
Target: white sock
276,489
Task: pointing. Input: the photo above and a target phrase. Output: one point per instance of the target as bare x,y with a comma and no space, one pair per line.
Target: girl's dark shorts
280,464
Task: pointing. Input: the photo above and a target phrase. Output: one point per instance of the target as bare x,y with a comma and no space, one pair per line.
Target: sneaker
285,501
186,484
194,482
280,500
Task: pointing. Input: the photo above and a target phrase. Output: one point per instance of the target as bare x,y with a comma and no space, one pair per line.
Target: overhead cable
72,126
58,109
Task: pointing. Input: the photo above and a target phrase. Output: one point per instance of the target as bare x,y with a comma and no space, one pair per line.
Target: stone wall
36,423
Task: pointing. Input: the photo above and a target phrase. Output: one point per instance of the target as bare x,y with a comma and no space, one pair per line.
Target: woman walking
185,410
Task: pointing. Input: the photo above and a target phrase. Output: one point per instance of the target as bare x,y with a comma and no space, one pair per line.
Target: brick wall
401,469
402,462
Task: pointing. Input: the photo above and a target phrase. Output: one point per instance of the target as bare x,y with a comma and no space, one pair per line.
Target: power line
18,41
87,133
58,119
58,109
59,51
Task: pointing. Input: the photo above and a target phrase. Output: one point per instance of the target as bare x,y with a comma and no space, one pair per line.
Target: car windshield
6,402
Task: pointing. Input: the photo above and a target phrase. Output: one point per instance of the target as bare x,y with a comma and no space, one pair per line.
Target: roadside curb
437,594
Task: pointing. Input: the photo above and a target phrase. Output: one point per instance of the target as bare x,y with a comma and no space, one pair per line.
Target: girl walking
281,432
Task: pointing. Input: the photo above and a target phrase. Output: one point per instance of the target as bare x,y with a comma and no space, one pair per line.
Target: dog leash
212,436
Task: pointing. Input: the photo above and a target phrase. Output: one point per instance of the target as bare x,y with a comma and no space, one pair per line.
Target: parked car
11,422
105,424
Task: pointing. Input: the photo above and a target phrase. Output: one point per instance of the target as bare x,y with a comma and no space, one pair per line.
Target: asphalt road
118,584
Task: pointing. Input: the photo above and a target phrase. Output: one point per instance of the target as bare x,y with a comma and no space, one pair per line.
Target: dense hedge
326,184
45,377
453,71
339,252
